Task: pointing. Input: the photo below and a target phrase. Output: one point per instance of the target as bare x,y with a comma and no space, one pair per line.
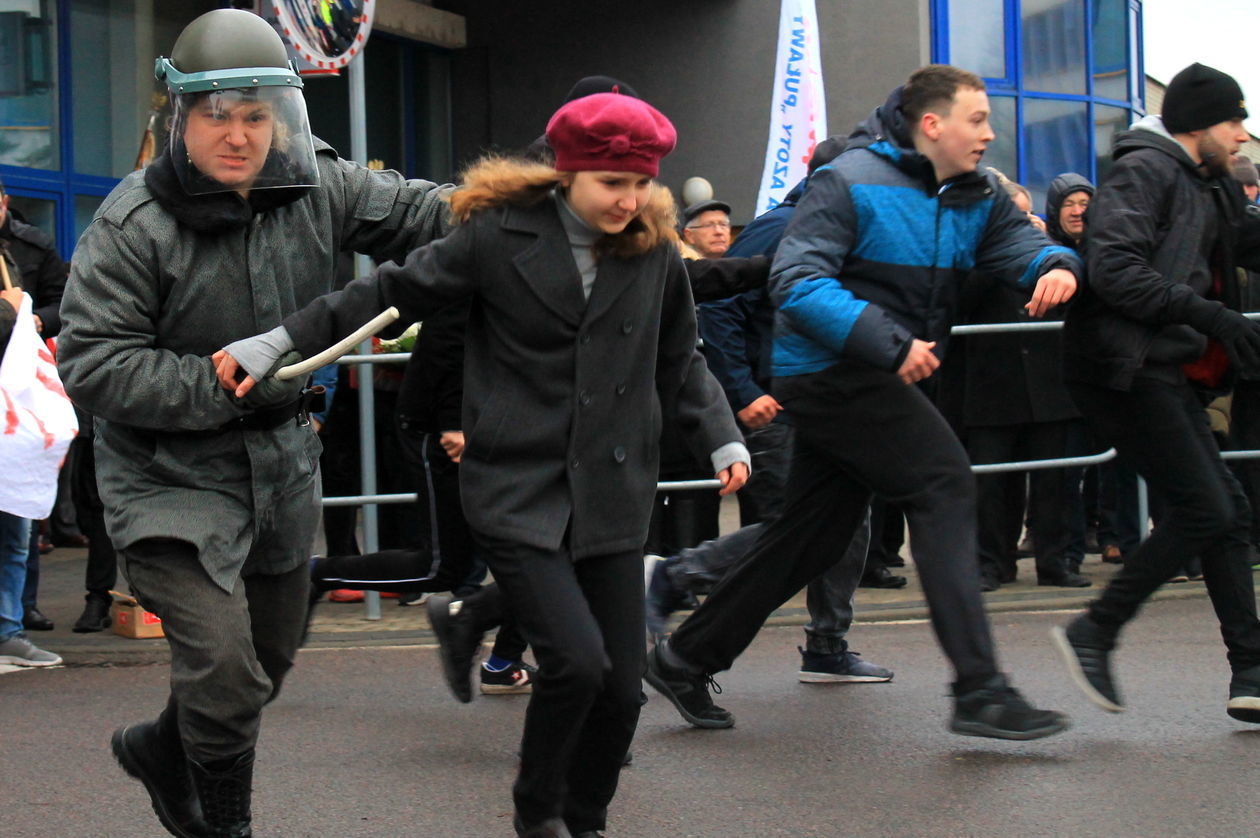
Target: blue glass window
1109,28
1056,140
1003,153
979,46
29,119
1053,46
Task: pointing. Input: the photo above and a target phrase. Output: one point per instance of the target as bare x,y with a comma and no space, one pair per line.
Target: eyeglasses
711,225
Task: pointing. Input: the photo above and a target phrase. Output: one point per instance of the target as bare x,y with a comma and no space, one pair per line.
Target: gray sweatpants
229,651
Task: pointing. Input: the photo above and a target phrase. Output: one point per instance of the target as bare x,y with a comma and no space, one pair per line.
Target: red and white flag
798,108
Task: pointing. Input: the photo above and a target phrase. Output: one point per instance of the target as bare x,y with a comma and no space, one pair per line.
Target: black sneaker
688,693
516,679
841,668
1244,696
1086,650
458,642
998,711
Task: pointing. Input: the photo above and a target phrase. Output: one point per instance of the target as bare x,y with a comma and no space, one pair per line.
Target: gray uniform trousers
229,651
829,597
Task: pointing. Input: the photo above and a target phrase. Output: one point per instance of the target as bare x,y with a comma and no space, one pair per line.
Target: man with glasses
707,228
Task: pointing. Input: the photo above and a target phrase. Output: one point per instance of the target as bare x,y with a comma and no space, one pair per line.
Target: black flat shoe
881,578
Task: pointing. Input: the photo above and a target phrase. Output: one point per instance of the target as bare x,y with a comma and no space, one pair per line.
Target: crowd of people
580,339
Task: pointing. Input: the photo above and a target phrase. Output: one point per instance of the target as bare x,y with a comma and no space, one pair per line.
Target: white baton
339,348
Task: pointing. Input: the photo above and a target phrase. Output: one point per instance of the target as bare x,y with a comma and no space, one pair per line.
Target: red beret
608,132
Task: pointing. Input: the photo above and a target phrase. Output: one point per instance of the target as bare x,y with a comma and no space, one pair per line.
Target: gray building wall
707,64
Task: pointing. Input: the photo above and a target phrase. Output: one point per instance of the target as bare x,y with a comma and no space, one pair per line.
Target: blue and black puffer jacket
877,249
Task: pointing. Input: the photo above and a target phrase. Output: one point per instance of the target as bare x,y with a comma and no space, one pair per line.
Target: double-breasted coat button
584,397
627,327
619,454
621,389
586,339
575,462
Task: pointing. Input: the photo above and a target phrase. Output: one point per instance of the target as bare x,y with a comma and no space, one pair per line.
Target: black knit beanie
1200,97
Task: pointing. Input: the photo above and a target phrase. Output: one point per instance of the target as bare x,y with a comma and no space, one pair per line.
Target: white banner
798,108
38,422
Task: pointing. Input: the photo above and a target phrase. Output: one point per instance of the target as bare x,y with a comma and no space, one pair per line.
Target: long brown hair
494,181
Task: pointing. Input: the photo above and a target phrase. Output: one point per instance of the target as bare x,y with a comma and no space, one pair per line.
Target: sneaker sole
133,768
16,661
991,732
827,678
1073,664
1244,709
662,688
504,689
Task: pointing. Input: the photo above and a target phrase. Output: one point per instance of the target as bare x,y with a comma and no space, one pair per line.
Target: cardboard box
130,620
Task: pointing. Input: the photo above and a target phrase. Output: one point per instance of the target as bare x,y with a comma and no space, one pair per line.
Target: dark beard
1215,161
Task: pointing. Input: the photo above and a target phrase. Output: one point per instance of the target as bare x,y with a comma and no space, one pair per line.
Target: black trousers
584,620
858,430
1047,496
1162,431
101,574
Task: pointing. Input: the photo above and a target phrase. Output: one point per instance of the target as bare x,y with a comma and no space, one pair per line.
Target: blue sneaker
840,668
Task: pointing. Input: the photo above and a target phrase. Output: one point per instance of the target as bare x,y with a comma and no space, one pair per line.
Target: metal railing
367,447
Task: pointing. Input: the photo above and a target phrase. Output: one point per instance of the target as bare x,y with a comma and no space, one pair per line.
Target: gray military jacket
160,281
562,396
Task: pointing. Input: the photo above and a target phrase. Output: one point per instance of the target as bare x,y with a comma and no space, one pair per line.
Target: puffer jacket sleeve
1018,253
1123,239
385,215
806,286
432,277
684,385
107,354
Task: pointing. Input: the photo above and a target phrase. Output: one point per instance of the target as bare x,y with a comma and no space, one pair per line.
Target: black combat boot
224,787
152,753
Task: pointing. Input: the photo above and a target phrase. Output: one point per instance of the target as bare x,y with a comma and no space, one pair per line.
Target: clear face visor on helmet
239,130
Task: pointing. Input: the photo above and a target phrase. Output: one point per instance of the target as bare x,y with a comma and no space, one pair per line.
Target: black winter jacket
1152,254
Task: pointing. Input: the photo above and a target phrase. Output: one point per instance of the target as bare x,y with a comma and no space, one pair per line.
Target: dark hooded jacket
1062,186
1164,241
877,250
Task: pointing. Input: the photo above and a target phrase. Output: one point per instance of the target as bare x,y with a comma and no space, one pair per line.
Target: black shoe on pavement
225,788
1086,650
34,620
164,771
458,642
1244,696
687,692
998,711
95,616
881,577
989,581
1067,580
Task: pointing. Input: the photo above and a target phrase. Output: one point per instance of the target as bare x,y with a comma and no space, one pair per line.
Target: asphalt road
367,742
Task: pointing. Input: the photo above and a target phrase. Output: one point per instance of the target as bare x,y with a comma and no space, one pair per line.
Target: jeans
30,586
1162,431
14,544
858,430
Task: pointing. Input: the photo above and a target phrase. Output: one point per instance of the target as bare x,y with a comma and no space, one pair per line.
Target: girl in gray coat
582,328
